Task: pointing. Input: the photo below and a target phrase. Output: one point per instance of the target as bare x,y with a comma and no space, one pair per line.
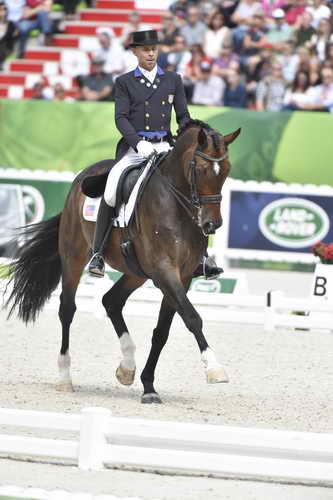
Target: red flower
324,251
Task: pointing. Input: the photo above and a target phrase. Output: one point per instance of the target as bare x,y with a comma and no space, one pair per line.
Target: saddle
94,185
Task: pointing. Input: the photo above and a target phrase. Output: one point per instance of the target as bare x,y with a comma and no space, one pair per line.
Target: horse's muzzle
209,228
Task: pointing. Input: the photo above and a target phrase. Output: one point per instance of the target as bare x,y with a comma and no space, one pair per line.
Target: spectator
70,9
329,54
38,90
110,51
216,35
245,12
59,93
194,30
319,10
280,32
97,86
179,56
36,15
225,59
193,71
169,29
289,60
270,91
304,30
294,9
209,89
235,91
255,70
227,8
268,7
298,93
11,12
179,8
321,96
322,38
134,24
254,38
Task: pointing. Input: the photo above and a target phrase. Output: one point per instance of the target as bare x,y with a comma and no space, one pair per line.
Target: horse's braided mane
198,123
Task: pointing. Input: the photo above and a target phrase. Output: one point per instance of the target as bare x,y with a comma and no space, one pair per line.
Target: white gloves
145,148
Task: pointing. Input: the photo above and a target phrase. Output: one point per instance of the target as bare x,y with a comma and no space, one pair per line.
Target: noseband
198,200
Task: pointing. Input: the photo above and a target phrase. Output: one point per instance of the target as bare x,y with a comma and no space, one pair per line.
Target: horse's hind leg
71,273
114,301
160,336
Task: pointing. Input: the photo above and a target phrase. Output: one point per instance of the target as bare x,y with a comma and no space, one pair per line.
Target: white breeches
130,158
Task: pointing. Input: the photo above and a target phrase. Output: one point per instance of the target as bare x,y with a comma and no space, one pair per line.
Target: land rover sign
293,222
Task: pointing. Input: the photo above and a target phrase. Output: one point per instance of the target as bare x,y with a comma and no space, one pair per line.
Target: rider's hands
145,148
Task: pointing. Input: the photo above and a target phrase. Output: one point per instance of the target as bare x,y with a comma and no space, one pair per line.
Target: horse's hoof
64,387
151,398
217,376
124,376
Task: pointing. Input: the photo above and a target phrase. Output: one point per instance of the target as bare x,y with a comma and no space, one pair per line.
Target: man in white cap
281,32
111,51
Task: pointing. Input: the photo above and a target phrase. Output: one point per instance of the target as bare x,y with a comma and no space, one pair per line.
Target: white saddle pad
91,205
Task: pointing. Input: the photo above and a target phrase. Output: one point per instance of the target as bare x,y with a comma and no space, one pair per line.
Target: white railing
104,440
302,313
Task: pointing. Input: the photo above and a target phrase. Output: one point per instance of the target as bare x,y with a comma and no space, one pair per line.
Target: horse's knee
111,305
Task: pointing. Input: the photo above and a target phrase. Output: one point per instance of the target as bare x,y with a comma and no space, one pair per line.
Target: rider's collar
138,71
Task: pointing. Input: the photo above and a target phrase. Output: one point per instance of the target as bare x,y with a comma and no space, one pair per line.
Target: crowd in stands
260,54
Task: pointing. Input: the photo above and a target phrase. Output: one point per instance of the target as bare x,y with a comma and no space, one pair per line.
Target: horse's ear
228,139
202,138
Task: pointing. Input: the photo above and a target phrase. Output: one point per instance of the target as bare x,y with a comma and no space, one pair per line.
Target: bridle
198,200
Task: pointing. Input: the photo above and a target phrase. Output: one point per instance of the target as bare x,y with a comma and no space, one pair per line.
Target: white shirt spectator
245,10
113,57
296,98
209,92
318,13
321,95
214,40
14,9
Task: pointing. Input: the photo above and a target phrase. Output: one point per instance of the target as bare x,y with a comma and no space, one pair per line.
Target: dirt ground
279,381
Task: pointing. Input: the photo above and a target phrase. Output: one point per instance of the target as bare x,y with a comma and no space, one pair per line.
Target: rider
143,104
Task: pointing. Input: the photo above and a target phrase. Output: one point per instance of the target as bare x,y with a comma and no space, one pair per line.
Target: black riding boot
208,269
103,228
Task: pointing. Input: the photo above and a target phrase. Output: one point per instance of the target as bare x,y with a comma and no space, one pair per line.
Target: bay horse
179,208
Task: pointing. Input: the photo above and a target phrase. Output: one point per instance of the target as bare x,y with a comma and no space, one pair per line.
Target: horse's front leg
114,301
175,293
159,339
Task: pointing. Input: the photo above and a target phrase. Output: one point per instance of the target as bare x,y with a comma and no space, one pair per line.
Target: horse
179,208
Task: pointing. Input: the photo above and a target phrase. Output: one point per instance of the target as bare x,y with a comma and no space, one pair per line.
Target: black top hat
144,38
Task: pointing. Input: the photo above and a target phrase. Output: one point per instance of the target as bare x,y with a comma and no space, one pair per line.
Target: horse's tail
36,271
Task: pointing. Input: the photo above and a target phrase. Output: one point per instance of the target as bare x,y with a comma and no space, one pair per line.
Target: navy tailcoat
142,106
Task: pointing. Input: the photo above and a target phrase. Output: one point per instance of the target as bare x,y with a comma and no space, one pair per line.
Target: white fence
272,310
290,312
105,440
